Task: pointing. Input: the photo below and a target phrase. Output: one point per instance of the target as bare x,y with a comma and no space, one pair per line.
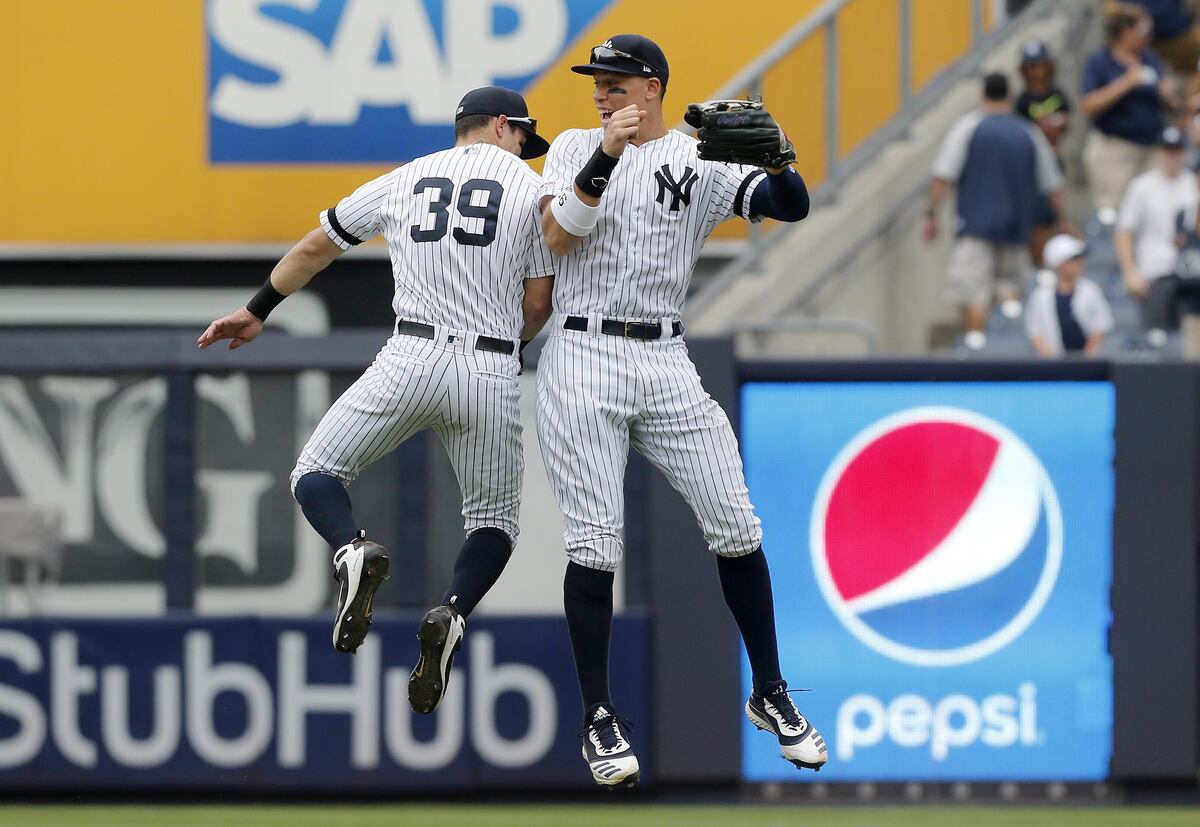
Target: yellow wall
868,69
106,124
796,96
106,137
941,33
108,141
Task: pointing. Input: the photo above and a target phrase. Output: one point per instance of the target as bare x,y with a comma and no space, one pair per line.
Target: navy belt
426,331
630,330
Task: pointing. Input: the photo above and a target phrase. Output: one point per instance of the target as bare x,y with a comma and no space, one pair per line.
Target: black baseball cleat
441,635
799,741
606,749
360,566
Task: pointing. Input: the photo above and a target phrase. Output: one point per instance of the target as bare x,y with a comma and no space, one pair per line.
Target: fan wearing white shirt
1157,206
1072,315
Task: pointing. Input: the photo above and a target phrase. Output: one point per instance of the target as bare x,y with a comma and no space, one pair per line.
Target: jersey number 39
439,207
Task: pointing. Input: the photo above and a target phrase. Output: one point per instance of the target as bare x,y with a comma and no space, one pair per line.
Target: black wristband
264,301
593,178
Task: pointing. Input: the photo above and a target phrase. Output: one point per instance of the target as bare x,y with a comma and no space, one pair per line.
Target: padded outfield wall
984,572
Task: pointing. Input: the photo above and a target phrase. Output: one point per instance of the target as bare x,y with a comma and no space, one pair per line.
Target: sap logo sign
282,62
185,702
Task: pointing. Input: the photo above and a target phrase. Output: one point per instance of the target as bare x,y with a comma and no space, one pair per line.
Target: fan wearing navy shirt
1125,89
998,163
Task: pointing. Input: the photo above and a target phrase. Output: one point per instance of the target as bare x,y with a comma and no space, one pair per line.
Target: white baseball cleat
606,749
799,741
361,567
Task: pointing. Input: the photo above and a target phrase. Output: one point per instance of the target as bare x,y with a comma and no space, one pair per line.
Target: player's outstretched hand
239,327
622,127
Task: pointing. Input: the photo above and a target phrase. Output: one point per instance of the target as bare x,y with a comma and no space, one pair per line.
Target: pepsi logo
936,536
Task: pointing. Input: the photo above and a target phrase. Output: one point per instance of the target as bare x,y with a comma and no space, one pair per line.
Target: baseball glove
739,132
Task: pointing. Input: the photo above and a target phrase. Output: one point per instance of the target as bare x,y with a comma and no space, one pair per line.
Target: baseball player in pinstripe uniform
473,283
626,208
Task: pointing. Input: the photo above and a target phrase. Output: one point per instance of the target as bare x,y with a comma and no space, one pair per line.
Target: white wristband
574,216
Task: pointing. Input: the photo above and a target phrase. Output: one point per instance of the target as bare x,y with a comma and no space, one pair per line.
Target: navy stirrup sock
588,600
479,565
746,584
326,506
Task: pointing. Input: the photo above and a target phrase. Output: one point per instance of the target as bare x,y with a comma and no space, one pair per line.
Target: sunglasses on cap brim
603,53
528,123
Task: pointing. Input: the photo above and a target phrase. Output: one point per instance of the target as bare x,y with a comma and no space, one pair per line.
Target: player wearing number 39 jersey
472,284
627,208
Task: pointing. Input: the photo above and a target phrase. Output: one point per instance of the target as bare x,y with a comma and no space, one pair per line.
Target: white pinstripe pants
469,397
599,394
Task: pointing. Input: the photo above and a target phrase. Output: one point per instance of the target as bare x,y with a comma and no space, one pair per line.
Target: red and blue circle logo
936,536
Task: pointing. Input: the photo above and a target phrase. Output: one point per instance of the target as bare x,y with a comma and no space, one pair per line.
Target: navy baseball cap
1034,51
496,100
628,54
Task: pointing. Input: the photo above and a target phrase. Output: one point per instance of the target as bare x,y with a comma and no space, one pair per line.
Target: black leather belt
426,331
630,330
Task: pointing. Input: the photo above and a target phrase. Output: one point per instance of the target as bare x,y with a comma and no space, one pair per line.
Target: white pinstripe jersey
463,231
660,205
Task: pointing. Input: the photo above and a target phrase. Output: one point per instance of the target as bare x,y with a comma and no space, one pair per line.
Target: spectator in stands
1177,40
1071,314
999,163
1042,100
1158,206
1125,87
1044,103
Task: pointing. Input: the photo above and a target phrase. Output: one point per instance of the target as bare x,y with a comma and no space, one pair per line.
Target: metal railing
913,103
808,303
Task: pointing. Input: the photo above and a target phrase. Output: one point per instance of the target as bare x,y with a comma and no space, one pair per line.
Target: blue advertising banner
363,81
941,554
253,703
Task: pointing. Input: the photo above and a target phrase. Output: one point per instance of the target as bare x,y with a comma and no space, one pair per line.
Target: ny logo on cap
681,190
